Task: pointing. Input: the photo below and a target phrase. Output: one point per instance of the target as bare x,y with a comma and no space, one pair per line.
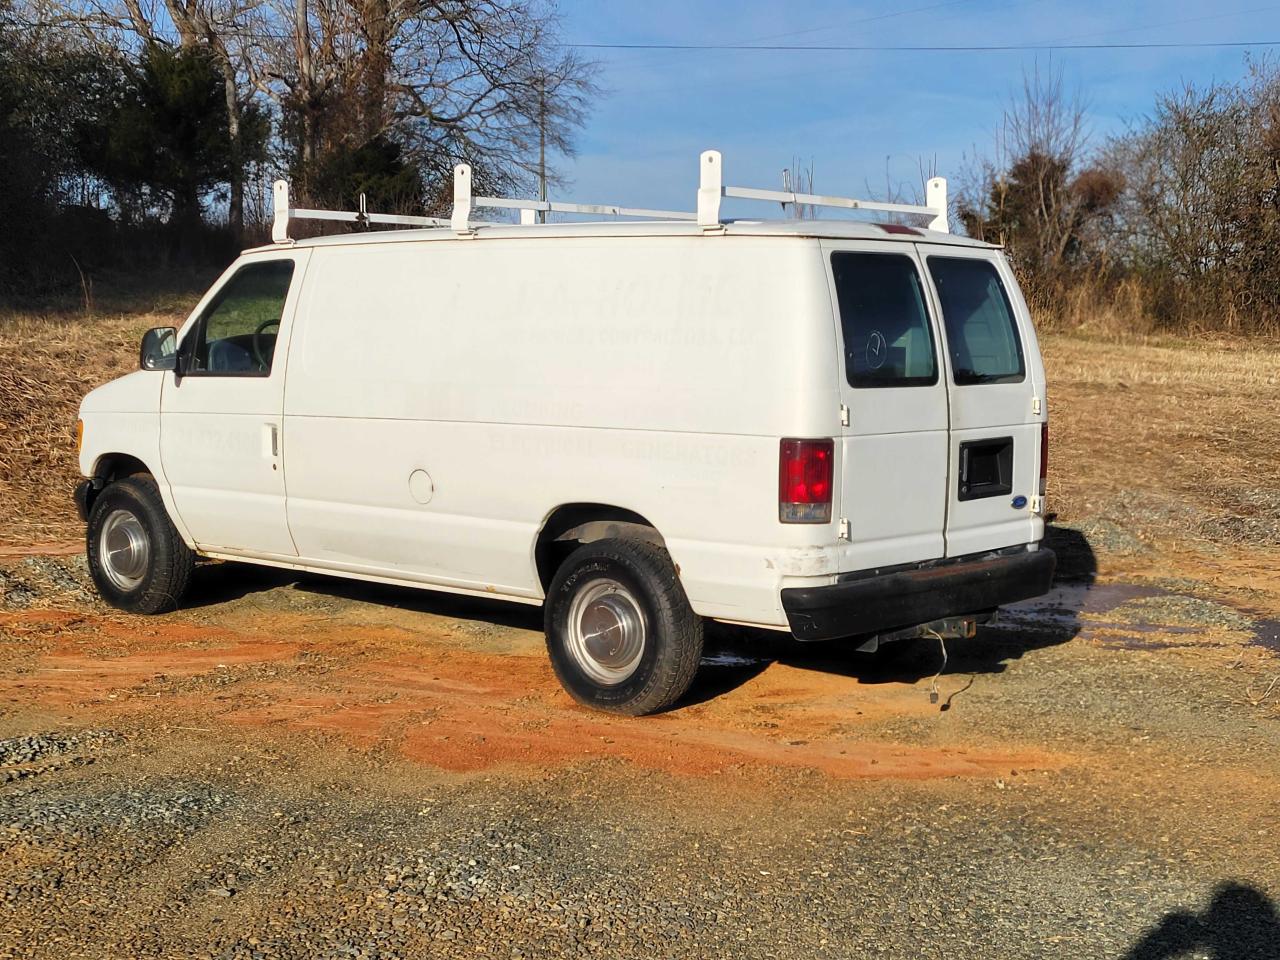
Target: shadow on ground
1240,923
733,656
219,583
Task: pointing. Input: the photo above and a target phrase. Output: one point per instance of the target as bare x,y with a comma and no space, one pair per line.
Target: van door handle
270,440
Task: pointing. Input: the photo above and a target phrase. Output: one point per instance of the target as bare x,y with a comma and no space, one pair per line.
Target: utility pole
542,144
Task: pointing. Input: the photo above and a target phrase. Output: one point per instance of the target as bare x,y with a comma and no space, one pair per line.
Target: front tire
136,556
620,632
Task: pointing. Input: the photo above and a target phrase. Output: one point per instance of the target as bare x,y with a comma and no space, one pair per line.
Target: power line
1171,23
959,48
862,20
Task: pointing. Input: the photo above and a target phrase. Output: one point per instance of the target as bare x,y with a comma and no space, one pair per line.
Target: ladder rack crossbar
596,209
348,217
819,200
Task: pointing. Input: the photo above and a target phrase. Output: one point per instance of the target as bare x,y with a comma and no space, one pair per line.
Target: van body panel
983,413
653,375
434,399
893,452
220,438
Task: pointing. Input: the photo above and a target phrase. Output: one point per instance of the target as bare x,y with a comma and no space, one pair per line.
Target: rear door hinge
844,528
844,415
1035,406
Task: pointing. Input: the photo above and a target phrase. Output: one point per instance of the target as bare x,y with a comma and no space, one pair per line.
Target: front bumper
905,598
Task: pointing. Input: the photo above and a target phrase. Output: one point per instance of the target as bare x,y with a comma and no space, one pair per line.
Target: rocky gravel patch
1181,611
29,756
45,580
590,863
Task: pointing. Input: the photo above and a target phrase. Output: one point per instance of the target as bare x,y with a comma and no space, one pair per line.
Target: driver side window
236,334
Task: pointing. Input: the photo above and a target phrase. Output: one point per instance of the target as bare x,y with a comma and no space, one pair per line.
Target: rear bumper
904,598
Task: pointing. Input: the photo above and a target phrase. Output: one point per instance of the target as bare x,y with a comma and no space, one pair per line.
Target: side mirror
159,350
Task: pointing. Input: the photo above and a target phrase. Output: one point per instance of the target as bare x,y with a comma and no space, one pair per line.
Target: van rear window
888,341
981,332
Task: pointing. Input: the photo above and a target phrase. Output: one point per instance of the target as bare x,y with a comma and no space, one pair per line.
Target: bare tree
1201,215
441,81
1036,194
478,80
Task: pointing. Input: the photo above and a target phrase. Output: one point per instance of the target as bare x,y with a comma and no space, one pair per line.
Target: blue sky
861,117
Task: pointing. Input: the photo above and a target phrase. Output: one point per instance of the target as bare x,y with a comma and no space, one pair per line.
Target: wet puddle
1266,633
1083,608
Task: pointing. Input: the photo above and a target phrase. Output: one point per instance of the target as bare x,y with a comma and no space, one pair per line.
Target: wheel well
572,524
116,466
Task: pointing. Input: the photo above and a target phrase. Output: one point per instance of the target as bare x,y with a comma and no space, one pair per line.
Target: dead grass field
311,767
1155,443
1182,432
47,364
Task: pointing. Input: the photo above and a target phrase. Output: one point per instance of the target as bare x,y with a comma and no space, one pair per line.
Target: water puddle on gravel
1063,606
1266,633
1130,616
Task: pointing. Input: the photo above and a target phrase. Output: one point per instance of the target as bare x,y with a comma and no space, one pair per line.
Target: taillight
804,481
1044,457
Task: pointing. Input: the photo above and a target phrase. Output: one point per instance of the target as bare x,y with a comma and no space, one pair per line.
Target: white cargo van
832,428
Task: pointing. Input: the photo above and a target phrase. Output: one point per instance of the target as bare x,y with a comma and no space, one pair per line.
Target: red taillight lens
804,481
1044,457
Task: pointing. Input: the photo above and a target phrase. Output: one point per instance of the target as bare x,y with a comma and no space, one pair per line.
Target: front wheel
136,557
620,632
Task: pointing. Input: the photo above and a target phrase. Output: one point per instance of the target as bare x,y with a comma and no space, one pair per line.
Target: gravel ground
140,818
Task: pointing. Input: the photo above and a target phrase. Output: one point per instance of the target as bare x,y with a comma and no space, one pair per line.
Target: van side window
981,333
888,341
236,334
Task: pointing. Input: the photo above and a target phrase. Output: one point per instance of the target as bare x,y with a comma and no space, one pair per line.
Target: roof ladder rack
711,190
284,214
463,202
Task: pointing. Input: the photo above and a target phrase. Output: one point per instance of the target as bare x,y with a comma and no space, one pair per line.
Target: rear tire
136,556
620,632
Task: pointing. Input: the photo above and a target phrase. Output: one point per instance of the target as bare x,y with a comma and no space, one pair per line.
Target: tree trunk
375,68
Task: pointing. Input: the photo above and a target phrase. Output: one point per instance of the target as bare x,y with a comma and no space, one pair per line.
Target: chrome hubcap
606,632
124,550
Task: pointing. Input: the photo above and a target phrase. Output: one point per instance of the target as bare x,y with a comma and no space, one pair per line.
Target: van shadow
1240,923
734,656
226,582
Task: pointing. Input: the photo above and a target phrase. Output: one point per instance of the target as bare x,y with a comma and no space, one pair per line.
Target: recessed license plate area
986,468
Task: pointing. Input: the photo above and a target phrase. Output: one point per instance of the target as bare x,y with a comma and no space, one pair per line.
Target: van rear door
995,386
893,451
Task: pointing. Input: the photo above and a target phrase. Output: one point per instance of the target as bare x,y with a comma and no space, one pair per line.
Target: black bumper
906,598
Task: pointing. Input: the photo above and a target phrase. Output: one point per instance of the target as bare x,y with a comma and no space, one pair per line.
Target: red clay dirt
422,695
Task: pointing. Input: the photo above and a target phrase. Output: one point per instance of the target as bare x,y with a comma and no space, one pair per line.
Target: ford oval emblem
1019,502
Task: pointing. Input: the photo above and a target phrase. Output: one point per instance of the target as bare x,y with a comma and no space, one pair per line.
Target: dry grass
1166,438
47,364
1153,438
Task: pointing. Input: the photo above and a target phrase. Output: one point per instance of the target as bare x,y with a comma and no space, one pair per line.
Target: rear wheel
136,556
620,631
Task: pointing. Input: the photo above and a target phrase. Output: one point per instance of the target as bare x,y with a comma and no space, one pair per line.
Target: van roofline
801,229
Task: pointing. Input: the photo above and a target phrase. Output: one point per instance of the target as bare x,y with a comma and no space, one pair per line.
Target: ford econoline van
827,427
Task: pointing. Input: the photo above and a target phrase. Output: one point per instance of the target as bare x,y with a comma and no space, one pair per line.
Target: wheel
620,631
136,557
